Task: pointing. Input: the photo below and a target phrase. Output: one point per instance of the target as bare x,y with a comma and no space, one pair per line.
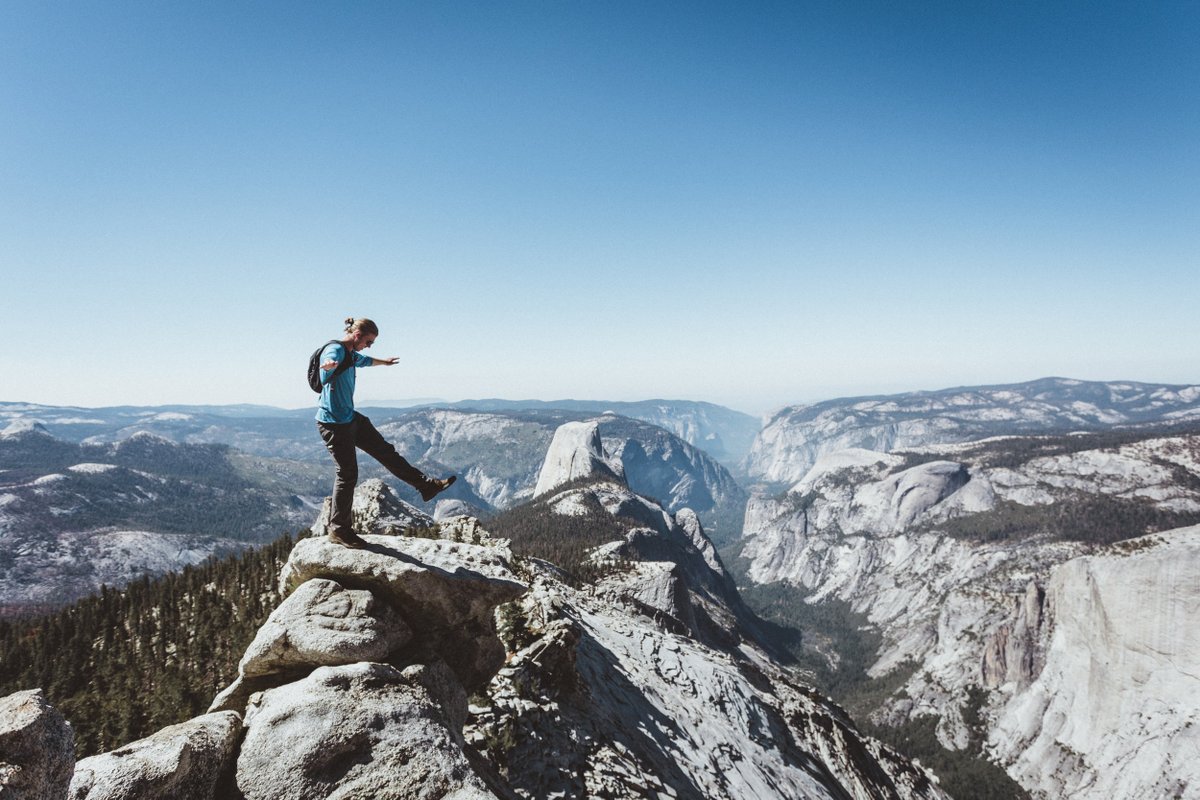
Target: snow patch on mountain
93,469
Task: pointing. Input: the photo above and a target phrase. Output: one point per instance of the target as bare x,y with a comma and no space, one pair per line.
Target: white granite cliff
1114,710
1081,650
575,452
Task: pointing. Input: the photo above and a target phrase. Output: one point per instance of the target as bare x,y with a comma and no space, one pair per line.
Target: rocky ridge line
357,685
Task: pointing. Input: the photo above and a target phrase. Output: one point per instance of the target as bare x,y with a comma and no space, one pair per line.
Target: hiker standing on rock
331,371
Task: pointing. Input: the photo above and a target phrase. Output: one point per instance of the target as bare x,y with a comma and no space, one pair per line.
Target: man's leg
371,442
339,440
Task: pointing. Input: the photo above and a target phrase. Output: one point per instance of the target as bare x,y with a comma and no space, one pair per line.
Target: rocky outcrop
37,748
445,591
1014,653
652,681
356,685
359,731
322,623
576,452
376,509
445,509
182,762
617,694
642,682
671,568
689,525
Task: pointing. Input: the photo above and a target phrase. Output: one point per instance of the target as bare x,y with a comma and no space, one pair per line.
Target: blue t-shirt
337,395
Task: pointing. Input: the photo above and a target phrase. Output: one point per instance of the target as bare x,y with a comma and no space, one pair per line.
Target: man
343,429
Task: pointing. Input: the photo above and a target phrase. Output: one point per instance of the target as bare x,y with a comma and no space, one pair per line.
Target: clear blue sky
748,203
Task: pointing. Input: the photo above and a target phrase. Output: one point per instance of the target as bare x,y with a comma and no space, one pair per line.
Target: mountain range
983,575
643,678
723,433
75,517
97,497
1025,596
498,452
792,440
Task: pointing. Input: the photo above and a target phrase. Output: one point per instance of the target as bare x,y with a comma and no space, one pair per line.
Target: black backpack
314,365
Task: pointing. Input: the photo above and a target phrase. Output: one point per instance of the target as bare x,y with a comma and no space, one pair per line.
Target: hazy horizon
400,403
753,204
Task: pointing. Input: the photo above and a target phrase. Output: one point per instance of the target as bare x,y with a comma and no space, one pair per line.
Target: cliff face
1077,649
575,452
1114,710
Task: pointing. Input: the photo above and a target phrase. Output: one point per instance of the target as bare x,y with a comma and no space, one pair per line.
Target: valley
920,558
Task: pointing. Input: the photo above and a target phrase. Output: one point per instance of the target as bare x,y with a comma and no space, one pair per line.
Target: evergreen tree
123,664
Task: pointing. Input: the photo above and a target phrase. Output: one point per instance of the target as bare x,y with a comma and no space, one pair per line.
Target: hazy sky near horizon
750,203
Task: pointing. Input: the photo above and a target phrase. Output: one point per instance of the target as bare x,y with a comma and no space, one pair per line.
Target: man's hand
330,364
387,362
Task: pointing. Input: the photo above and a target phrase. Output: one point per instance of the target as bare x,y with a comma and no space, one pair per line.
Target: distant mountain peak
24,427
576,452
793,440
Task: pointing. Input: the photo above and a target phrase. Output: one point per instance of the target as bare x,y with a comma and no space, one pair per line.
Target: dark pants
341,441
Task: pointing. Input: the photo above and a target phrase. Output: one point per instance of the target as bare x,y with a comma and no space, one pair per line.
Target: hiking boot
348,539
435,486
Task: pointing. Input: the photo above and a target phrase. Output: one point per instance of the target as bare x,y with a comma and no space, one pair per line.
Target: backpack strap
346,362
